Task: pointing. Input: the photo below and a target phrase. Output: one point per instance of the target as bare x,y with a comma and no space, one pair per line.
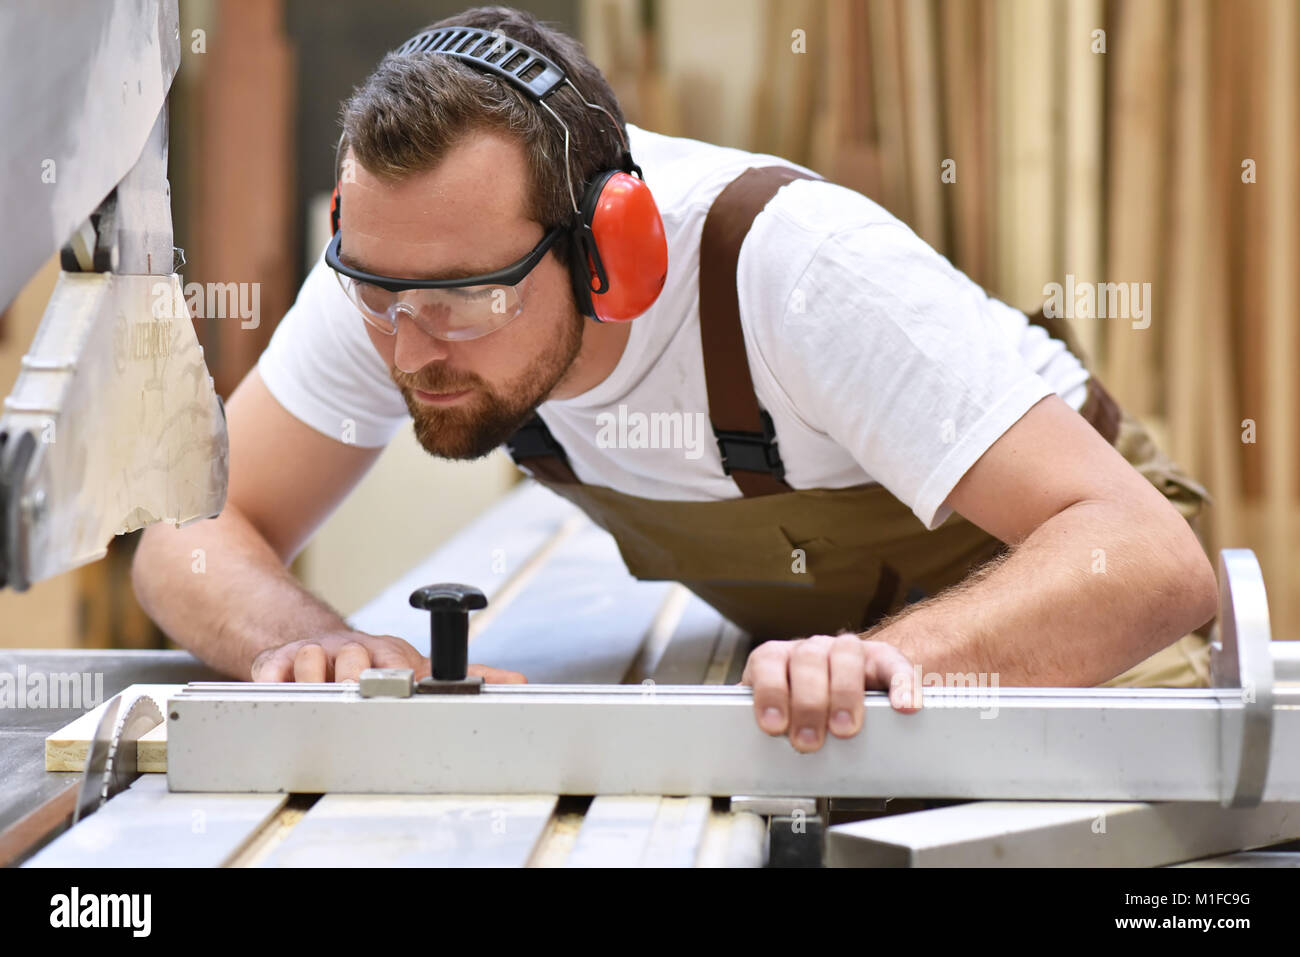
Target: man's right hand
343,656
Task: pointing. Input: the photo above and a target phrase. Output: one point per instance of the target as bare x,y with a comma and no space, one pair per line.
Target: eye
372,297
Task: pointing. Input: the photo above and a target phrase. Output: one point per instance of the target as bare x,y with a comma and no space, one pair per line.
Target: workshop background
1134,141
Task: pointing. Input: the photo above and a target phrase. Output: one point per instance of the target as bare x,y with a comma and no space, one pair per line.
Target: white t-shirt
876,359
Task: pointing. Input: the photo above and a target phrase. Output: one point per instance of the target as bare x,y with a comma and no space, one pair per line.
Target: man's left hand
803,688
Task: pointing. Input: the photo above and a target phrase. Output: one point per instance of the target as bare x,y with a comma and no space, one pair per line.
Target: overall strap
534,448
745,435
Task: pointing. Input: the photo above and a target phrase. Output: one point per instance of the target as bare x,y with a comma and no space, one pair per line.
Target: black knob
449,606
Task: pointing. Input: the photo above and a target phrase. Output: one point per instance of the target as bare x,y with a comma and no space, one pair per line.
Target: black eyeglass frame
511,275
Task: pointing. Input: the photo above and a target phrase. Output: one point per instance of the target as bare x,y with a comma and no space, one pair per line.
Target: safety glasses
448,309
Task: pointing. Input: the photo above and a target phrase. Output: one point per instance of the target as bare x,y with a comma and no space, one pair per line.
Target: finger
389,652
309,664
766,673
810,691
848,660
352,659
274,664
497,676
887,668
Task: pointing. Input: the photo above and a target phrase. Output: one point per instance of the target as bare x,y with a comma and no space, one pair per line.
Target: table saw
632,746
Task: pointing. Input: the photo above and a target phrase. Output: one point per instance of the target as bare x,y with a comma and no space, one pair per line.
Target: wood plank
887,89
1249,136
633,831
615,831
965,38
677,833
243,227
1026,247
36,825
1221,406
845,147
148,826
921,121
1082,162
1058,834
412,830
1137,204
65,749
1188,238
734,840
1282,256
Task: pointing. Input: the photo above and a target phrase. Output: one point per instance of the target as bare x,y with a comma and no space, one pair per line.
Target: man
889,430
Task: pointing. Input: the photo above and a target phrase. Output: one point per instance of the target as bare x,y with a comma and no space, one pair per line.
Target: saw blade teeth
143,716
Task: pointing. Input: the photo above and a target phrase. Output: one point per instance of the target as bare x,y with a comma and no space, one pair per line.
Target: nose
415,348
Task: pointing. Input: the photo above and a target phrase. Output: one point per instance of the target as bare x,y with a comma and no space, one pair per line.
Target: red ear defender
626,249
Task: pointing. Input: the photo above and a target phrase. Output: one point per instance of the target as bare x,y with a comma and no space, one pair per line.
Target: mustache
435,380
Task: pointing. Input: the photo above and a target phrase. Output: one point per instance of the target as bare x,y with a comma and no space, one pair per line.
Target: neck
602,348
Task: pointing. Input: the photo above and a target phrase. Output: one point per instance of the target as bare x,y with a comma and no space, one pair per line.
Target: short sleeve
321,366
902,361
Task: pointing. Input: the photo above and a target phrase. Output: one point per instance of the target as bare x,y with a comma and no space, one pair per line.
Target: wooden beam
1138,154
1282,256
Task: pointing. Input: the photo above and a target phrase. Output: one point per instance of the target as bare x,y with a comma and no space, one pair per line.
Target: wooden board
733,840
635,831
1139,52
966,49
65,749
1081,160
1058,834
410,830
922,115
1281,448
1025,108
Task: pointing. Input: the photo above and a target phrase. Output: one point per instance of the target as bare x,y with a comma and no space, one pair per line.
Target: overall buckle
751,451
534,440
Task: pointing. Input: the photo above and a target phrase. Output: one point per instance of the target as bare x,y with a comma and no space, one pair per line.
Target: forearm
219,590
1090,593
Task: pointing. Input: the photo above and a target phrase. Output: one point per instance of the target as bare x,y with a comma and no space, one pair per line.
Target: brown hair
411,109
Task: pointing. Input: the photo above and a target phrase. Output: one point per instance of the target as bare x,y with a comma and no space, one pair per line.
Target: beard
483,421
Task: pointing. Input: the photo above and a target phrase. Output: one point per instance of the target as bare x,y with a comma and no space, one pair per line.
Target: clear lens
467,312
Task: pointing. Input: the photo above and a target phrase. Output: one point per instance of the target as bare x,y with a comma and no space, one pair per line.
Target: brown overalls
865,555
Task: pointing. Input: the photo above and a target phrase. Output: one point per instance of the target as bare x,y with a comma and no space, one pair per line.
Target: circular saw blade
92,775
121,769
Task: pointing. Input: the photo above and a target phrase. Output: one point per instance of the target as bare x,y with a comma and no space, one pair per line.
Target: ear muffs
619,258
